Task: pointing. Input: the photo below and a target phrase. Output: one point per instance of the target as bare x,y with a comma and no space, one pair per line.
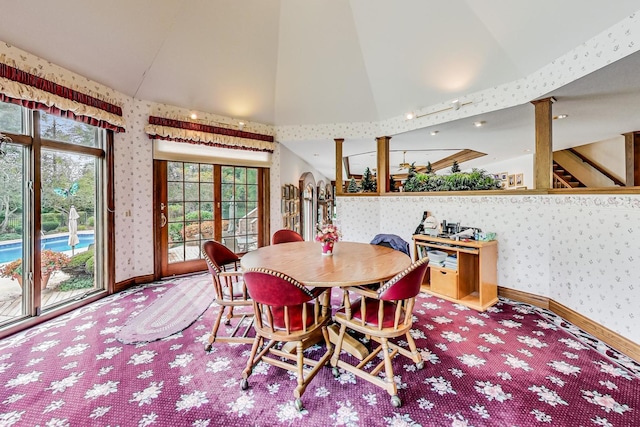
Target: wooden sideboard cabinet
474,282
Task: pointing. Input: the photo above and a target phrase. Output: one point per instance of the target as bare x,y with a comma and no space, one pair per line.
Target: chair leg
299,390
388,368
214,330
415,355
229,317
250,363
336,351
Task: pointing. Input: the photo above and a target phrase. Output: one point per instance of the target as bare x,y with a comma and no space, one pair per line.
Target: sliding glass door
196,202
52,193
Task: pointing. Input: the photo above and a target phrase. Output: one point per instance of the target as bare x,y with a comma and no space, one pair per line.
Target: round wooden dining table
351,264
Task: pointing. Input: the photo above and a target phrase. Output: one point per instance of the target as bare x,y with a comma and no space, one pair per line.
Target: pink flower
328,233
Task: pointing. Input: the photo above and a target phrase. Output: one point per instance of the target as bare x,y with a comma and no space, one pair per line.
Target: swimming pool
11,251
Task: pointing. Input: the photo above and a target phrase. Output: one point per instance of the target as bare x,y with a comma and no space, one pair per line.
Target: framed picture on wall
503,176
519,178
512,181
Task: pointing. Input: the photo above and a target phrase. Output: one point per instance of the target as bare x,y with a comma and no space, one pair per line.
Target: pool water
13,251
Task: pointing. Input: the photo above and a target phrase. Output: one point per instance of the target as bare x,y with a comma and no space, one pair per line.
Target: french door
196,202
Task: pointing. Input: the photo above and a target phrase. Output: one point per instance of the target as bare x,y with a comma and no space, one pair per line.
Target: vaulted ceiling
304,62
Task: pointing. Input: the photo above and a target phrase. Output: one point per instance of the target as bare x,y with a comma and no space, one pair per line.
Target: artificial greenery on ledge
477,179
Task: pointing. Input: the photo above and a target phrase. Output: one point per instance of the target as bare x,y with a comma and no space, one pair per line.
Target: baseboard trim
132,281
615,340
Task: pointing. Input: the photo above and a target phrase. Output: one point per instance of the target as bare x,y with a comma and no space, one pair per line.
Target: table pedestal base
350,344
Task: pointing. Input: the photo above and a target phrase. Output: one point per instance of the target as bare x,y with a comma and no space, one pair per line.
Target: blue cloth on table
394,241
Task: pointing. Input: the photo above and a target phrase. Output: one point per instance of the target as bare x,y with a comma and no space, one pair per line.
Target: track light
455,104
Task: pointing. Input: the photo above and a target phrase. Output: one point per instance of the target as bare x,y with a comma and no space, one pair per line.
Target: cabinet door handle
443,272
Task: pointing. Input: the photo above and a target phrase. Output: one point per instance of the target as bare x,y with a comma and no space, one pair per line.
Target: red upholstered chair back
217,256
405,284
285,236
275,289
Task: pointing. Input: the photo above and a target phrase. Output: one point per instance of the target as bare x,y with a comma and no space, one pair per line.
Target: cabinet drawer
444,282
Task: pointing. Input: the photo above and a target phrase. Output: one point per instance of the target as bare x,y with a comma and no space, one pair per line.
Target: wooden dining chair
230,292
285,236
287,311
381,315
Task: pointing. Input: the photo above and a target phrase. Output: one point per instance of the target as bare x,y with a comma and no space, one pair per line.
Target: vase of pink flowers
327,235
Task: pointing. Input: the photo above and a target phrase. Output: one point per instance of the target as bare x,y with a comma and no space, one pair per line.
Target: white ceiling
305,62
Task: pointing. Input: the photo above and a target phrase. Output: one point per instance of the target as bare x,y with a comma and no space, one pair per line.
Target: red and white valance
31,90
215,136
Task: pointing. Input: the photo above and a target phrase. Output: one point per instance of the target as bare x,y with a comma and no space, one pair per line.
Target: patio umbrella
73,228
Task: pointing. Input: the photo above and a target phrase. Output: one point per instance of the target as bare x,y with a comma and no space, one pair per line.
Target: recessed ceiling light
410,116
478,124
560,116
194,116
434,132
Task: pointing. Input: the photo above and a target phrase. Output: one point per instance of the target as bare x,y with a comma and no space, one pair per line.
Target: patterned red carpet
515,365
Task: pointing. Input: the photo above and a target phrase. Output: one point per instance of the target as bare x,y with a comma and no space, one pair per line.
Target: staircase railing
597,167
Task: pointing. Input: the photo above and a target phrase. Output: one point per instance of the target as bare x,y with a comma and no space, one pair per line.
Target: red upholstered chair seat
371,313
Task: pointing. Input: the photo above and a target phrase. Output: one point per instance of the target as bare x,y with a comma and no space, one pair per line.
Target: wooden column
339,179
543,158
382,175
632,158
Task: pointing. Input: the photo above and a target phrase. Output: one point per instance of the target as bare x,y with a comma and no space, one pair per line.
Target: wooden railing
597,167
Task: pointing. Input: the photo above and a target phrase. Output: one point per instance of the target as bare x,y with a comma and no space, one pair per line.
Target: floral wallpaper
577,250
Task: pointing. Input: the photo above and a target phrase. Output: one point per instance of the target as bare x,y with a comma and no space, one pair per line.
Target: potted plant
50,261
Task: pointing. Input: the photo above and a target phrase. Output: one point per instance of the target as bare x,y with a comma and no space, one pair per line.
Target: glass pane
176,212
241,175
206,192
191,191
12,232
176,253
252,176
65,130
174,171
175,191
241,192
68,238
176,232
241,210
206,213
191,172
225,210
11,118
227,192
227,174
206,173
192,250
252,193
192,211
206,230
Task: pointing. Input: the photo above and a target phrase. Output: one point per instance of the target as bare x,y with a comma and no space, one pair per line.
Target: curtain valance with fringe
36,92
215,136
